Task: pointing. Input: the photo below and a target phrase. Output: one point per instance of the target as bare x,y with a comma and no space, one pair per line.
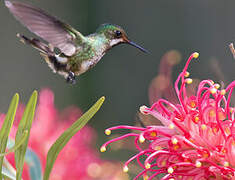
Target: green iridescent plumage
78,53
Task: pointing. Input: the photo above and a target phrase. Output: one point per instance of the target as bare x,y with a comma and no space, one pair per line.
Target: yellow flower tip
102,149
226,164
213,90
170,170
141,139
223,92
174,141
217,86
203,126
125,169
146,177
107,132
171,179
186,74
171,126
142,109
195,55
196,119
147,166
198,164
231,110
188,81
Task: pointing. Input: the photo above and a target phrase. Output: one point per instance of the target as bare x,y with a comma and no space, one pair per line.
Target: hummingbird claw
71,78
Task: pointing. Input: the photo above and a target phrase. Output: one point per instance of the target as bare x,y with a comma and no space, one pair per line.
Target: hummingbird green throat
78,53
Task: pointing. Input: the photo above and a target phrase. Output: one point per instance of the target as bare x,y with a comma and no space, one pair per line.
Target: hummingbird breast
89,55
88,64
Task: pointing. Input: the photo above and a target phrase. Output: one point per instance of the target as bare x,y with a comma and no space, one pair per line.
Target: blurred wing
45,26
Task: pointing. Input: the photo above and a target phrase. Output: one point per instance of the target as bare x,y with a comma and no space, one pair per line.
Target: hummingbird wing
49,28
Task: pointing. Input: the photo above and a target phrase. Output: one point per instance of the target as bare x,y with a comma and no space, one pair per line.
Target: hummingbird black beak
137,46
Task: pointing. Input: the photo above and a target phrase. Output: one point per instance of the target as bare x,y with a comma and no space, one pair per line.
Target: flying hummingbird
77,53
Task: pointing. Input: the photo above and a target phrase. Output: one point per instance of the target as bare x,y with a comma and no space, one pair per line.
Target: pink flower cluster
197,139
78,159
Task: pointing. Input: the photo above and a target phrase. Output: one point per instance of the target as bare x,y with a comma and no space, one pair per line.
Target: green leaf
18,144
31,158
67,135
6,127
24,125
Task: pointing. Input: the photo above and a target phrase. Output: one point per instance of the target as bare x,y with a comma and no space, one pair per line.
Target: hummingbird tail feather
37,44
53,63
47,52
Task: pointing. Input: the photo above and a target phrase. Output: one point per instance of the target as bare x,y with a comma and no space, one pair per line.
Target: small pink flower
197,140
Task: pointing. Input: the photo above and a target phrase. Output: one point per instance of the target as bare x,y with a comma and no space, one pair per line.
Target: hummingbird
66,51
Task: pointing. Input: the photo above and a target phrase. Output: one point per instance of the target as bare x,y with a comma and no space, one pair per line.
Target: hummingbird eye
118,34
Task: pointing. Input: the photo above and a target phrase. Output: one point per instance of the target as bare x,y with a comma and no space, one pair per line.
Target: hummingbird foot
71,78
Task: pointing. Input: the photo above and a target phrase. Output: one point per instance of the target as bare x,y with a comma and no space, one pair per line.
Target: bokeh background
124,73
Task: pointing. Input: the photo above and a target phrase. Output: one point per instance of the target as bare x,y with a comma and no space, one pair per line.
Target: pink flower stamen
137,156
117,139
126,127
198,137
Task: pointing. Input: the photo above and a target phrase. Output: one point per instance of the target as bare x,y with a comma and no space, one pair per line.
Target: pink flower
79,159
197,139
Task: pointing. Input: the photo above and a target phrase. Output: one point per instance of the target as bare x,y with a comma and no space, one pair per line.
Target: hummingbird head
116,35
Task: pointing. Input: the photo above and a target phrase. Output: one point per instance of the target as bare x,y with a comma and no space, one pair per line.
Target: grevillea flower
79,159
197,139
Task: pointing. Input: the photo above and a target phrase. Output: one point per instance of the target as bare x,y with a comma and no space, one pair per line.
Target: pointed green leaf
18,144
67,135
24,125
6,127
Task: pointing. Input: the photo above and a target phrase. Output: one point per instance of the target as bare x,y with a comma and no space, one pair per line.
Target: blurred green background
124,73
